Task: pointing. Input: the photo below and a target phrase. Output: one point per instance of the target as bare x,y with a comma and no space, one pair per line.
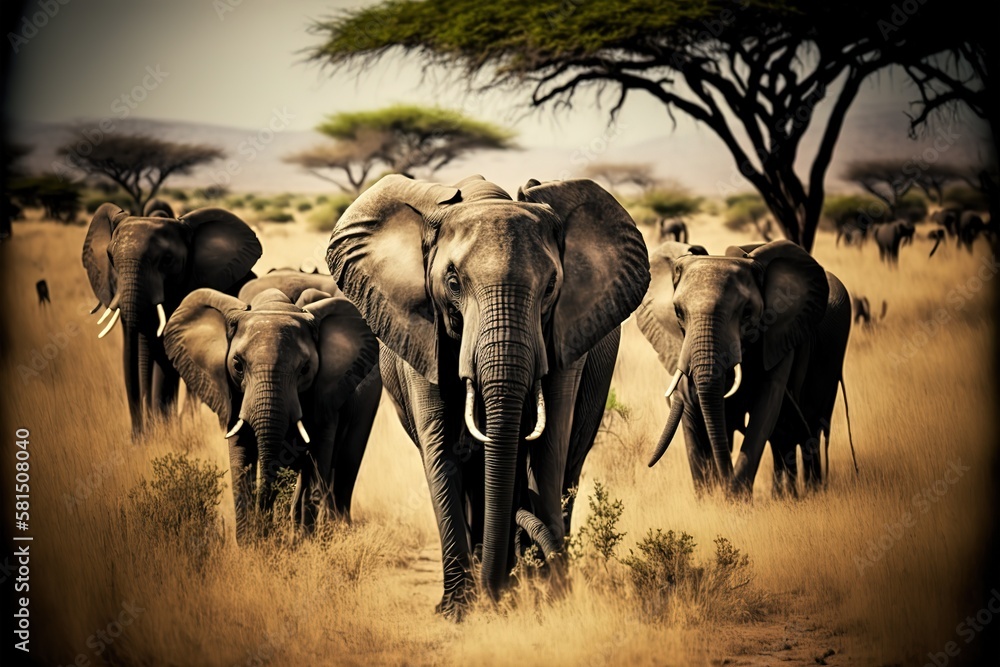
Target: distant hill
695,158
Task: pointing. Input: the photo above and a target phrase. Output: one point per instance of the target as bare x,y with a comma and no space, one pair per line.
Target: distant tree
747,209
672,201
417,137
58,195
753,71
617,174
139,163
13,154
355,157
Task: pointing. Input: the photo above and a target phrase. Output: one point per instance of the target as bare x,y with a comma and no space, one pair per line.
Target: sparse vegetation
325,215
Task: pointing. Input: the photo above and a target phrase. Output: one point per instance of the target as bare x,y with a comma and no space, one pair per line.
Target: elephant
498,310
292,374
890,236
157,208
863,311
141,267
766,321
948,218
936,235
675,229
42,288
970,227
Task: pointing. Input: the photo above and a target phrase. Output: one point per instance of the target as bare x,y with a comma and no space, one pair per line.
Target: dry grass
364,595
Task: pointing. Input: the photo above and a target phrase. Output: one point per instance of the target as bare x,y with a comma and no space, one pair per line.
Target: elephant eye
454,286
305,369
551,287
747,312
238,365
680,313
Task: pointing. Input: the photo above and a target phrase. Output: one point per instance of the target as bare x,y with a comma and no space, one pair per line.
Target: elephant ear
224,248
157,208
376,256
605,264
795,290
95,250
655,316
348,350
311,295
196,340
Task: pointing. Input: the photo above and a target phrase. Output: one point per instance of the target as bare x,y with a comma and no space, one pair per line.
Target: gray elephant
970,227
948,218
141,267
890,236
496,312
761,332
294,383
675,229
863,312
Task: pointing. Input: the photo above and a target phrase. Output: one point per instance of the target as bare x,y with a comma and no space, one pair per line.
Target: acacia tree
410,137
617,174
139,163
354,158
753,71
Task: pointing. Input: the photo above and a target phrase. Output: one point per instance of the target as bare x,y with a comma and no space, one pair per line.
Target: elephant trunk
267,409
505,375
709,380
130,289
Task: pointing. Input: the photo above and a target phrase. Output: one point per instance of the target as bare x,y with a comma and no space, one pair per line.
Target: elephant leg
699,453
307,498
242,475
595,384
763,418
164,385
785,468
811,462
547,455
131,360
356,419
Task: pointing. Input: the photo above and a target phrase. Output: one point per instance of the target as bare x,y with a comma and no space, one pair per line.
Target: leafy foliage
600,531
325,215
59,196
672,202
744,210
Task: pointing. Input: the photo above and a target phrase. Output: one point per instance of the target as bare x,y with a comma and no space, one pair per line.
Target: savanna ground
835,580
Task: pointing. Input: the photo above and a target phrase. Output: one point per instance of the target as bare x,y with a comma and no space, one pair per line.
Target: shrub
911,207
672,202
212,192
177,194
322,199
180,505
323,218
235,202
276,215
839,210
304,206
600,531
964,197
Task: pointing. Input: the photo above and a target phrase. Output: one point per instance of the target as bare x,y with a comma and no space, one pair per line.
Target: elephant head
271,368
138,264
703,313
477,291
157,208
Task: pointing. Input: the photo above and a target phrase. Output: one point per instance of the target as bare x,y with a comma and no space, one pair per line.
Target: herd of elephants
494,325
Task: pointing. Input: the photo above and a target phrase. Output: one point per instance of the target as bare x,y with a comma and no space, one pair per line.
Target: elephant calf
295,383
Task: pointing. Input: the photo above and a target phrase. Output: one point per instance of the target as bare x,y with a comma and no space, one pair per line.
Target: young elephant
761,331
141,267
295,385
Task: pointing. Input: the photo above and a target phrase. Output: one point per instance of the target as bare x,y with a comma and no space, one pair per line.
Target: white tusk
104,316
163,319
540,423
736,382
235,429
470,421
111,324
674,381
302,431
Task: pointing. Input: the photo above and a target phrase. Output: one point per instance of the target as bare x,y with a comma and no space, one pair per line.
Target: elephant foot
454,606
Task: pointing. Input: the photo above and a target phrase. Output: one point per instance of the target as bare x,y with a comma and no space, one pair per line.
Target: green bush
912,207
258,204
672,202
964,197
323,218
322,199
600,531
304,206
180,505
276,215
839,210
177,194
237,201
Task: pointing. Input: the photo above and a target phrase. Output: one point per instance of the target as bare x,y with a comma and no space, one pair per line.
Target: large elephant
762,332
674,228
294,384
497,310
141,267
890,236
970,227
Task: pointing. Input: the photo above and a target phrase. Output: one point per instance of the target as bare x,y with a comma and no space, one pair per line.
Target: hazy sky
235,68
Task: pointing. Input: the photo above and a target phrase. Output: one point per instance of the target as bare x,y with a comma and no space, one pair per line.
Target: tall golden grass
365,594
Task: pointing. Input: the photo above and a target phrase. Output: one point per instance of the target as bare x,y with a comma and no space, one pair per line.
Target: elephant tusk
674,381
673,421
111,324
163,319
540,423
470,421
736,382
236,428
104,316
302,431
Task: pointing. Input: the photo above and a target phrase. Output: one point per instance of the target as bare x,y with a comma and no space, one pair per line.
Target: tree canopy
617,174
355,158
753,71
139,163
411,137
